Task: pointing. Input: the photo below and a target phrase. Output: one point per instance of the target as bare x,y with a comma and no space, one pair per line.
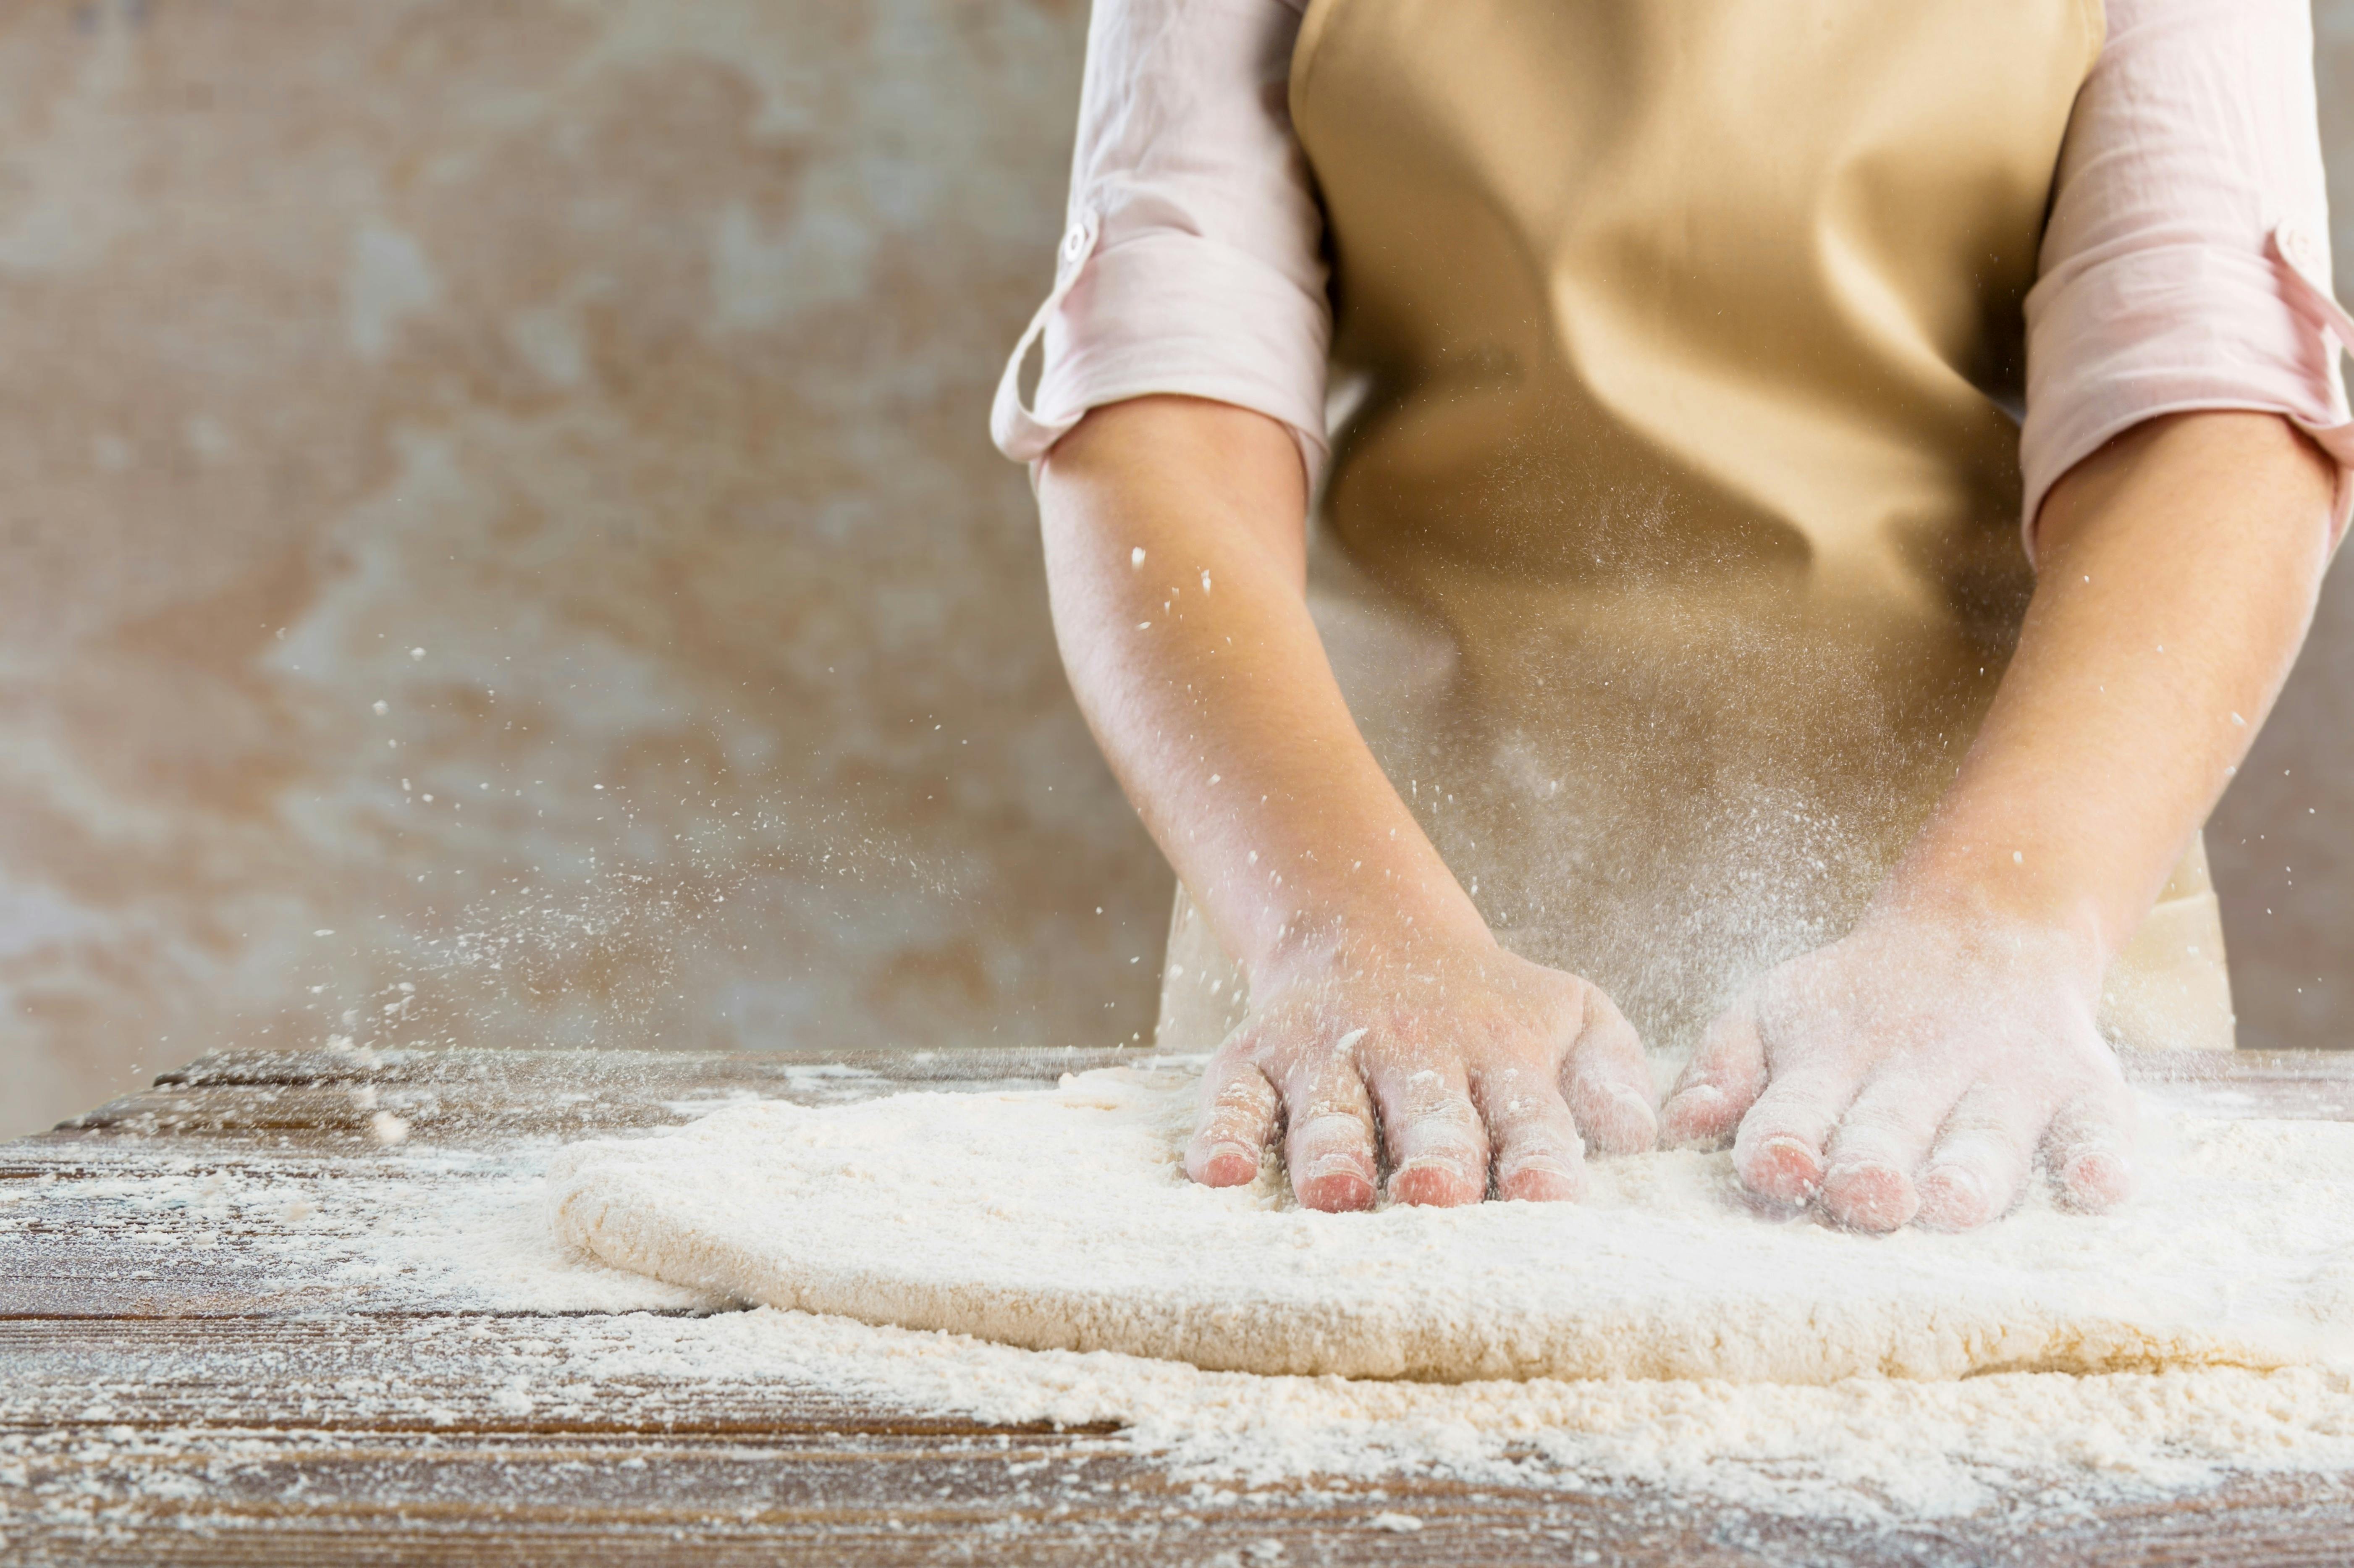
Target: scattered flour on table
1870,1449
1060,1220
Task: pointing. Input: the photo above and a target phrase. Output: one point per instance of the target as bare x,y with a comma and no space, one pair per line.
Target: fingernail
1870,1195
2094,1180
1787,1170
1553,1181
1862,1169
1954,1195
1700,1096
1440,1182
1962,1180
1225,1165
1697,1112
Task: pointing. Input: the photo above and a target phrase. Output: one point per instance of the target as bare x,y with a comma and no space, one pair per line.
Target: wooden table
205,1357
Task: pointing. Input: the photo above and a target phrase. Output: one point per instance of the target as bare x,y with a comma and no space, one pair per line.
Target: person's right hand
1461,1064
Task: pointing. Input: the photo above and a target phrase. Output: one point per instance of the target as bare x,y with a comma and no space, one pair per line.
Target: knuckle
1448,1122
1424,1082
1328,1123
1244,1048
1604,1053
1246,1091
1882,1121
1978,1150
1515,1097
1531,1109
1538,1140
1230,1124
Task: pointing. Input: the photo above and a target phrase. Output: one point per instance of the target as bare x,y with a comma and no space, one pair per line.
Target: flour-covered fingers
1437,1147
1239,1111
1982,1158
1609,1084
1539,1157
1882,1140
1329,1130
1778,1151
1719,1085
2089,1148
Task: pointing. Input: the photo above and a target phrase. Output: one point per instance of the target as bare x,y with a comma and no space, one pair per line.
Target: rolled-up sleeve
1192,261
2186,265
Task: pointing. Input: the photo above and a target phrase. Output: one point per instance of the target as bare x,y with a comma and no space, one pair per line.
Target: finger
1607,1082
2089,1149
1719,1084
1882,1140
1778,1151
1539,1156
1328,1133
1439,1147
1238,1117
1980,1164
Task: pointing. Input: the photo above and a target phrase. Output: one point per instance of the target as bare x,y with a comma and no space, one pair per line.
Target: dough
1060,1219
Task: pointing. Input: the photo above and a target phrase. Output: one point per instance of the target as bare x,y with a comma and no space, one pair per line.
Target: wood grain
211,1383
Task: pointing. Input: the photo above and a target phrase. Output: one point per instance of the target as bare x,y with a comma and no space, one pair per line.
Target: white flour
1060,1220
464,1234
1871,1449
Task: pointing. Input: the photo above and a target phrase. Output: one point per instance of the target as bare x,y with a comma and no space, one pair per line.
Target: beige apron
1669,554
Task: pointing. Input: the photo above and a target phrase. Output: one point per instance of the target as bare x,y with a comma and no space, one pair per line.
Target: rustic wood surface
205,1356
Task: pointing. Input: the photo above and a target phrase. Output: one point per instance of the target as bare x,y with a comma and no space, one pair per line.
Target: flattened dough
1060,1219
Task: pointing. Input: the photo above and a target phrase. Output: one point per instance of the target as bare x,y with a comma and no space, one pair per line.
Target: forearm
2178,572
1923,1065
1175,558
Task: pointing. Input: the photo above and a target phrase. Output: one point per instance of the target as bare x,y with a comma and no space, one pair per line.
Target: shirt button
2300,250
1075,244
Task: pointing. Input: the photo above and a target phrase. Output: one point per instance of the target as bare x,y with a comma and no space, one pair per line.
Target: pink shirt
2186,265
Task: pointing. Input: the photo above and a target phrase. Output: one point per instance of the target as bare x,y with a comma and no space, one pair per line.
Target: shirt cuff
1169,312
2183,328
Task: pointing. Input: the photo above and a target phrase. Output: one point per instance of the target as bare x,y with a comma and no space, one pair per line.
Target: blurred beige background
501,547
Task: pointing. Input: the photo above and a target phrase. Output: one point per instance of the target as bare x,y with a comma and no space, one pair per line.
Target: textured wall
598,388
2283,840
630,361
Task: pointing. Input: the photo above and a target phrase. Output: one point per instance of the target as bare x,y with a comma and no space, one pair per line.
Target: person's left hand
1916,1070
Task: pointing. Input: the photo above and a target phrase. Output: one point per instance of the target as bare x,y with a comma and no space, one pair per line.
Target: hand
1467,1058
1916,1070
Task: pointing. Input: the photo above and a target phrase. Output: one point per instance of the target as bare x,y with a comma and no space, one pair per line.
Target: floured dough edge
1824,1344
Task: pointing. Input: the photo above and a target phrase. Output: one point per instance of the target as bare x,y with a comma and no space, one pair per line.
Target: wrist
1358,938
1994,914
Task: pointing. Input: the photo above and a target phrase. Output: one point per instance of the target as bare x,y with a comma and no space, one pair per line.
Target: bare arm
1195,661
1176,558
2180,566
1919,1064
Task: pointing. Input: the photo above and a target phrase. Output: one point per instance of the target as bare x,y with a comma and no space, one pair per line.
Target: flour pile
1060,1220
